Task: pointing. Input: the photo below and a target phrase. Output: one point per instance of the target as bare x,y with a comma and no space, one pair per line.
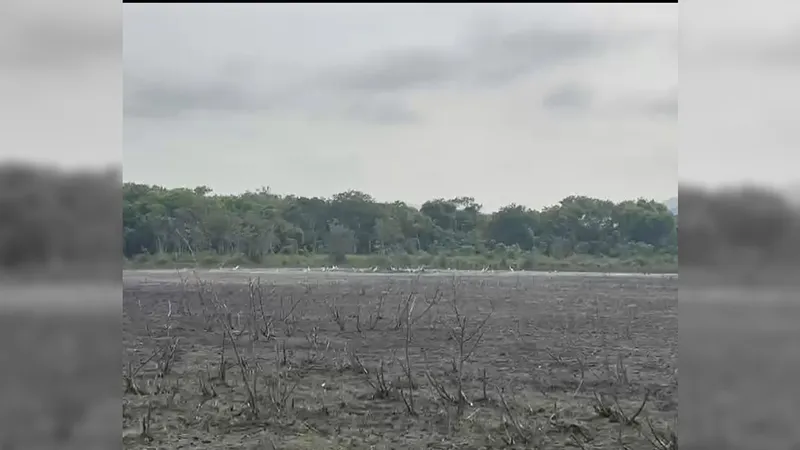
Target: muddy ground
740,361
60,366
559,362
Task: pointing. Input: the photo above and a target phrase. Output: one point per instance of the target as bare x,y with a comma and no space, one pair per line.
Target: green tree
257,224
340,242
514,225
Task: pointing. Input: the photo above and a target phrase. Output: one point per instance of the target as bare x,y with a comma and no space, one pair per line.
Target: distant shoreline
298,271
410,263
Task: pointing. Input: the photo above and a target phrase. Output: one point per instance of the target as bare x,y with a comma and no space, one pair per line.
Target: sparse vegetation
458,362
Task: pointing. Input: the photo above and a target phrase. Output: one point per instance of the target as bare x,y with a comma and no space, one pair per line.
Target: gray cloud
60,44
337,97
51,39
165,99
146,99
738,93
506,57
783,52
666,106
580,98
570,97
658,105
399,70
382,112
60,66
493,59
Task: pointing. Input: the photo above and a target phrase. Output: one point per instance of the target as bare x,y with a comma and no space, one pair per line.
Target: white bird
236,268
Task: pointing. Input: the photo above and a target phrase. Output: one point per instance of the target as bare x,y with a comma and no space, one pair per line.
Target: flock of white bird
376,269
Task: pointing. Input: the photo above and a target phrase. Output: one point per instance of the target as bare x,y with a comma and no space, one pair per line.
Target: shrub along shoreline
577,263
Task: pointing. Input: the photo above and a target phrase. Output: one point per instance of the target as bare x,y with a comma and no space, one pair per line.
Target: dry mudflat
739,364
335,360
60,365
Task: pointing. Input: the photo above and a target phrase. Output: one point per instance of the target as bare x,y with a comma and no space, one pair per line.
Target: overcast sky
523,103
60,83
739,95
507,103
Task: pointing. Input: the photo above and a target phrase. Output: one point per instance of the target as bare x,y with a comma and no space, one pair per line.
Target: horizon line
329,196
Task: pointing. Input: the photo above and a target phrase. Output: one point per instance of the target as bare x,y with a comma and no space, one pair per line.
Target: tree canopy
743,225
157,220
48,215
51,216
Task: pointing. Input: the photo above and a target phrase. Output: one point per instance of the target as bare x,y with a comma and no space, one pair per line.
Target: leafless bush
288,305
131,387
163,355
375,316
279,391
440,390
167,357
515,430
661,440
257,311
342,359
381,388
484,383
223,364
619,373
224,321
281,354
467,335
146,421
408,397
184,309
204,292
336,315
614,412
581,374
314,353
207,391
555,357
533,433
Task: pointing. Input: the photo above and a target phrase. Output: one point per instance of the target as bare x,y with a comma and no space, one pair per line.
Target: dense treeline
55,217
49,215
746,226
257,225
